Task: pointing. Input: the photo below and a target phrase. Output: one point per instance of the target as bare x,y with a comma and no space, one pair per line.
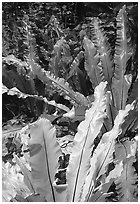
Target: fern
55,60
101,194
44,164
74,66
59,83
15,91
79,159
126,184
92,66
103,154
84,171
104,50
121,82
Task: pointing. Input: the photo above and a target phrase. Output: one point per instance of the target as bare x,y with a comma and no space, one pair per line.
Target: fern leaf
12,182
126,183
92,65
103,154
26,173
11,59
57,56
120,90
104,50
125,149
44,155
75,64
59,83
134,92
121,82
46,77
83,143
15,91
130,124
101,193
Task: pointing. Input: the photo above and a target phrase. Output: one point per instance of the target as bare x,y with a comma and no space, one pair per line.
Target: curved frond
60,48
59,83
102,191
103,154
92,63
121,82
88,130
44,161
126,184
104,50
19,94
75,64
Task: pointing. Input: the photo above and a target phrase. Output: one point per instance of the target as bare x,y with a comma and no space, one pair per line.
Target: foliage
80,86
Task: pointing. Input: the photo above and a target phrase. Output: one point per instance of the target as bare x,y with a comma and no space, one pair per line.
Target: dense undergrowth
70,106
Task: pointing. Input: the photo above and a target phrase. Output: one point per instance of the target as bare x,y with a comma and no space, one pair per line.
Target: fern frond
121,82
27,174
44,161
103,154
55,60
104,49
11,59
126,184
101,193
92,63
75,64
59,83
19,94
88,130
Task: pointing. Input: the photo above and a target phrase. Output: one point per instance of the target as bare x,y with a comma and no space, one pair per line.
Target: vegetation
70,102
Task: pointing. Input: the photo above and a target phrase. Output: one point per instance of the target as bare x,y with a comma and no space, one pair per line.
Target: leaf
70,114
15,91
26,173
88,130
59,83
126,183
30,198
44,163
101,193
103,154
76,72
11,59
61,192
75,64
104,50
12,182
55,60
79,113
125,150
134,92
35,198
21,82
92,65
120,90
121,82
130,124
